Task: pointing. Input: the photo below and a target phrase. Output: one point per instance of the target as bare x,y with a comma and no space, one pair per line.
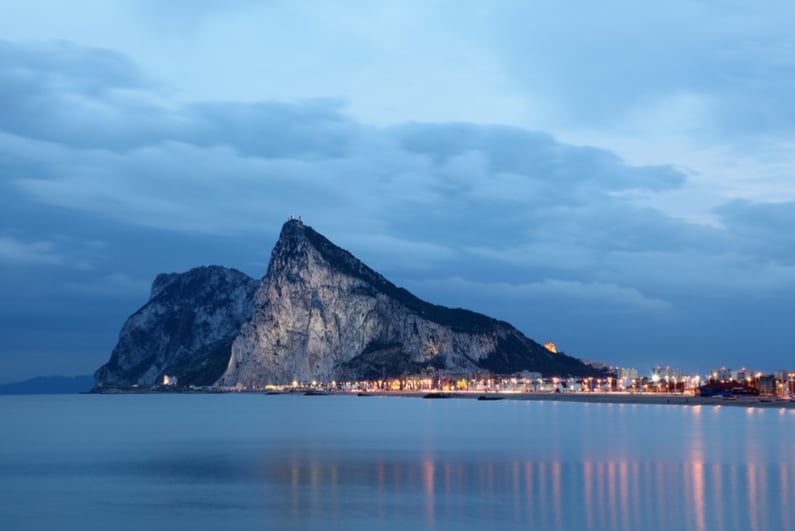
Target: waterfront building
667,379
767,385
785,382
729,388
625,377
743,375
667,373
720,375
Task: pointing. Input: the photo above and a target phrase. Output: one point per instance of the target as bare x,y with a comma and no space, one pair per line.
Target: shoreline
585,398
604,398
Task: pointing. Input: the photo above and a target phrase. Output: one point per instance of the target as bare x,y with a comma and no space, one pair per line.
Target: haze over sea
248,461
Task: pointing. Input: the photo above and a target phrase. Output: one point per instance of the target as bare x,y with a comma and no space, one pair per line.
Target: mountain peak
292,228
322,314
296,239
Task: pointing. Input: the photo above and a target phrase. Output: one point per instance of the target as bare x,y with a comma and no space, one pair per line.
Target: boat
365,393
437,395
490,397
315,392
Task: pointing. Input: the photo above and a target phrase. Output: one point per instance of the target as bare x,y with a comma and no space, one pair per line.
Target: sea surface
293,462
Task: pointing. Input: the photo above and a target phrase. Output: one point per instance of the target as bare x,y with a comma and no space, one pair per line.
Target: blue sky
615,178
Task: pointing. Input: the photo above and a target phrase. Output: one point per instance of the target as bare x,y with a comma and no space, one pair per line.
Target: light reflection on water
294,462
556,495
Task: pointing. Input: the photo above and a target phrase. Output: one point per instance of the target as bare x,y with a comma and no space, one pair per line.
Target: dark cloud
535,156
92,98
84,97
762,230
68,68
763,245
272,130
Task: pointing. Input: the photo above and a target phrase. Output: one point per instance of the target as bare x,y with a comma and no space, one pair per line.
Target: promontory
318,314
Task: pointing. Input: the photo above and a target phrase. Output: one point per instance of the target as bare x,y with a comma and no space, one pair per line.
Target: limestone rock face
318,314
321,314
185,329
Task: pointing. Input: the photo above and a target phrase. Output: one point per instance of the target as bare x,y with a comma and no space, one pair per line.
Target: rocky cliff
321,314
186,329
318,314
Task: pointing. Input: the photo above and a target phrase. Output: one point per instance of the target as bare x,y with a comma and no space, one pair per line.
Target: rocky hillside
321,314
186,329
318,314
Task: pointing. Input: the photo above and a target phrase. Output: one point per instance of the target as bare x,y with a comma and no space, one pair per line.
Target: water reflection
428,472
595,495
588,493
785,498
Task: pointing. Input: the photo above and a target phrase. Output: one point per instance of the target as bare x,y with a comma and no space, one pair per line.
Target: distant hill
49,385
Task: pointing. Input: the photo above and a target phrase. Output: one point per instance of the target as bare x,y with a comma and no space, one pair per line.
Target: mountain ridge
434,312
318,314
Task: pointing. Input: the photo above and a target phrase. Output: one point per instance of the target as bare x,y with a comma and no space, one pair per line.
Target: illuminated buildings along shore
659,380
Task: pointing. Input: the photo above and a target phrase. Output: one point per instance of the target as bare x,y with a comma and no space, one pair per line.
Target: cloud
586,297
387,249
84,97
92,98
600,64
314,128
21,253
510,151
66,67
115,285
483,199
502,196
217,167
761,228
192,188
60,251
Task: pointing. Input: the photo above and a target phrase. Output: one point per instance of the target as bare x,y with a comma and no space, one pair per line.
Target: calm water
294,462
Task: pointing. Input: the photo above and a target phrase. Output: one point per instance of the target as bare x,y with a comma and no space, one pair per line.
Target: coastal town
664,385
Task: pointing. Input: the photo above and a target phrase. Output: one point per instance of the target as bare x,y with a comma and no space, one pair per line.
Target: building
666,374
767,384
720,375
786,382
625,377
727,389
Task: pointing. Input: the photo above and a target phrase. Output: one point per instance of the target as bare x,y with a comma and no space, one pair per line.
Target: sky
614,177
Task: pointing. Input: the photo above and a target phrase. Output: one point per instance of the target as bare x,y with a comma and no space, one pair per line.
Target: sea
293,462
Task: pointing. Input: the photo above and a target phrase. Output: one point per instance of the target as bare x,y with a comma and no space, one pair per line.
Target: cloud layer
548,235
